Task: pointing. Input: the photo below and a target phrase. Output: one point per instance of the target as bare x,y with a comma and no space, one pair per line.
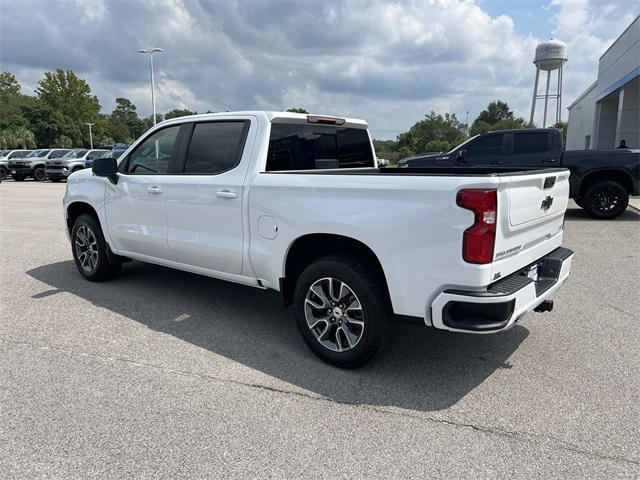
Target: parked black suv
600,182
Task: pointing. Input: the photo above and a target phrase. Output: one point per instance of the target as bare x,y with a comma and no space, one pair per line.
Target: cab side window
215,147
58,153
152,157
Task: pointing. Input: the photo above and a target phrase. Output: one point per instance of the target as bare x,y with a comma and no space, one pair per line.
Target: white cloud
387,62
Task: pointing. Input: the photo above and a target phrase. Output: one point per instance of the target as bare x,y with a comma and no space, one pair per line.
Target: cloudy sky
388,62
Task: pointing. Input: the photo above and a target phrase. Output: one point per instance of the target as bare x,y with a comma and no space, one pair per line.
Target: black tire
369,288
105,265
18,178
578,202
605,200
39,174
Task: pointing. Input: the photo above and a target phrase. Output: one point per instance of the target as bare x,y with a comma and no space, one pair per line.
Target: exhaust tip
545,306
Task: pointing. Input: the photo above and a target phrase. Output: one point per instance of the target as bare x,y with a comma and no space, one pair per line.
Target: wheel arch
75,209
310,247
620,176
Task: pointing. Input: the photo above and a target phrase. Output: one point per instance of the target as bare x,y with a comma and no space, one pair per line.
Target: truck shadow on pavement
578,214
423,369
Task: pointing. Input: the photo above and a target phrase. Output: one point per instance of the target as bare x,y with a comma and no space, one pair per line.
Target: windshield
38,153
75,154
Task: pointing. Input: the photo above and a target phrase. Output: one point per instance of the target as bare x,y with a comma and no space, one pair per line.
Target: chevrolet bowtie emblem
546,203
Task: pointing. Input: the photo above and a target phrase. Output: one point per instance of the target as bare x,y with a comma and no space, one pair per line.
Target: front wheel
605,200
343,310
89,250
39,174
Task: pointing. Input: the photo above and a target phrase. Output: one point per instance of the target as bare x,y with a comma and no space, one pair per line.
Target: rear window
534,142
310,147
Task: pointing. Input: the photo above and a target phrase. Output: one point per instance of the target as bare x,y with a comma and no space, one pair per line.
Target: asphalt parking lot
161,373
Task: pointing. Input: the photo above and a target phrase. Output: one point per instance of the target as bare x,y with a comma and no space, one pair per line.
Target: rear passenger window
534,142
215,147
310,147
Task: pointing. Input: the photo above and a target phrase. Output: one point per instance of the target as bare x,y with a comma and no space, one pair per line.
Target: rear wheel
343,310
90,250
605,200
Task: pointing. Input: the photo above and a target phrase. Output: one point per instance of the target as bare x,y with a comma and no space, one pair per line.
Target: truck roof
269,115
511,130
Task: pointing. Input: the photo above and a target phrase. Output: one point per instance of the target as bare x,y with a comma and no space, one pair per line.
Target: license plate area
533,272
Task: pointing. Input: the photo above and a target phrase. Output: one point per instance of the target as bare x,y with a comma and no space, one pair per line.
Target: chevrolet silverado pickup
33,165
72,161
296,203
600,181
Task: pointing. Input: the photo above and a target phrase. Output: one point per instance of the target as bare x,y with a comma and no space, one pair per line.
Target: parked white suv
296,203
70,162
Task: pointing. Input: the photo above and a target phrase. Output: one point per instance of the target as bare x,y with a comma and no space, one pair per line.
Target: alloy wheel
606,199
334,314
86,247
39,174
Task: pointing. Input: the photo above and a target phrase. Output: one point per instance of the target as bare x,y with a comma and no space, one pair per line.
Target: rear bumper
504,302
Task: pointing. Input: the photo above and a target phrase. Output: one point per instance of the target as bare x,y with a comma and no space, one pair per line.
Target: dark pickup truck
600,182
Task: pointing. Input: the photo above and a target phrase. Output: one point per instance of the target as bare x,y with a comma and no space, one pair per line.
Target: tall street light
90,134
151,51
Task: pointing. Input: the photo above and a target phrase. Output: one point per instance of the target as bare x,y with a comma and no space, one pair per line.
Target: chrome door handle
226,194
154,190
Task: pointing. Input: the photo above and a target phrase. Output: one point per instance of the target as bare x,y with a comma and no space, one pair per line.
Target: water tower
551,55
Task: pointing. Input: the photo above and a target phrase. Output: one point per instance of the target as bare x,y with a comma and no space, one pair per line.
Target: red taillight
479,239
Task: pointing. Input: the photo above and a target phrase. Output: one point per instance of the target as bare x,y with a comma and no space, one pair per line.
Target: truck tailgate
534,204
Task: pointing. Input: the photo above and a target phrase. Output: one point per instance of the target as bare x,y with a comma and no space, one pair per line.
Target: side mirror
105,167
462,155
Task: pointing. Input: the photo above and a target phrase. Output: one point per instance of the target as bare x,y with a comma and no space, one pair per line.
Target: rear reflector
479,239
325,120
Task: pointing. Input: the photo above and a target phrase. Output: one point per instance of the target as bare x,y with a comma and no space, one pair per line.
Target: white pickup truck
296,203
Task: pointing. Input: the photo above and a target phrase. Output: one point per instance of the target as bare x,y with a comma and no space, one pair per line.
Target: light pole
90,134
151,51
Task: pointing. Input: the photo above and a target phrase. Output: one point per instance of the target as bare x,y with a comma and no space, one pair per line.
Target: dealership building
609,110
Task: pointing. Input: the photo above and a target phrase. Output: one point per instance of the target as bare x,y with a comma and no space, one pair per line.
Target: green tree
497,116
178,112
297,110
147,122
125,114
69,96
63,142
23,138
11,115
9,84
446,129
564,127
495,111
